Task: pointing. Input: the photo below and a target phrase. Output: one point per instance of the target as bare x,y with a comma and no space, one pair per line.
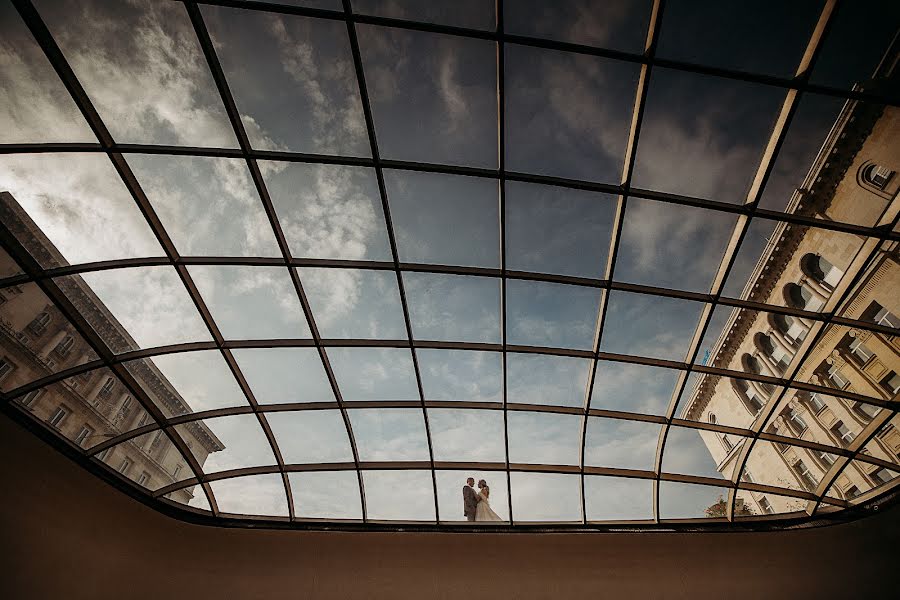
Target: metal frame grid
884,232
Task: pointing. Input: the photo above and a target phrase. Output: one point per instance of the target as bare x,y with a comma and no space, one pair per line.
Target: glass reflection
567,115
617,498
464,375
542,379
293,80
699,452
748,504
374,373
351,303
621,444
450,499
251,302
142,66
651,326
284,375
690,501
545,497
453,308
557,230
328,211
399,495
251,495
614,388
786,466
389,434
326,495
467,435
311,436
429,210
551,314
239,441
426,87
542,438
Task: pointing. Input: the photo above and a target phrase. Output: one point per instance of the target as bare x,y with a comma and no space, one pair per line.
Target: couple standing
476,506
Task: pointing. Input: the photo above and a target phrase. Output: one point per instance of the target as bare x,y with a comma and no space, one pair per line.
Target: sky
433,100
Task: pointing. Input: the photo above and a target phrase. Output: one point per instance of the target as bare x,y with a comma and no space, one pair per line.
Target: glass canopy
316,264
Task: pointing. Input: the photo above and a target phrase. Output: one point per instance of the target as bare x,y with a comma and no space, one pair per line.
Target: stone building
92,407
853,180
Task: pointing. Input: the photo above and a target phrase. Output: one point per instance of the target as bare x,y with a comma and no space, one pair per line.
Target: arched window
800,296
748,396
39,324
817,267
767,346
65,346
751,364
875,175
792,329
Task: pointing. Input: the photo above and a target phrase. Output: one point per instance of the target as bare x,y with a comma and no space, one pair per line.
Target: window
805,475
39,324
747,396
83,434
124,466
860,352
826,458
881,476
816,403
891,382
104,392
766,506
866,411
29,398
126,405
58,416
876,176
65,346
176,471
885,317
796,421
836,378
144,479
103,454
768,347
143,420
801,296
747,477
820,270
851,492
843,433
791,328
6,367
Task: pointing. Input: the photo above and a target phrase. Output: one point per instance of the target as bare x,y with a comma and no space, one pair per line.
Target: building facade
92,407
854,180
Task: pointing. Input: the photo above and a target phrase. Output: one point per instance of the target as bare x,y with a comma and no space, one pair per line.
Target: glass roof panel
748,504
389,434
616,24
146,460
328,211
34,104
567,114
312,436
651,326
449,493
614,388
88,215
473,14
326,495
544,438
886,443
672,246
620,444
689,146
697,452
617,498
860,478
557,230
293,80
149,306
188,382
785,466
355,303
467,435
453,308
143,68
464,375
399,495
551,314
545,497
240,439
542,379
430,210
374,373
251,495
284,375
251,302
426,87
208,205
719,34
689,501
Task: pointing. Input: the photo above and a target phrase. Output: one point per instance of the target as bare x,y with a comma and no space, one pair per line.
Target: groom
470,499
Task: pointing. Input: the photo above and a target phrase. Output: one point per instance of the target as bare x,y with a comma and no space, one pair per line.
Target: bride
483,511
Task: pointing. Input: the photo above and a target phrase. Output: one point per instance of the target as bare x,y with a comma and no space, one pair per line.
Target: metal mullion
637,116
382,190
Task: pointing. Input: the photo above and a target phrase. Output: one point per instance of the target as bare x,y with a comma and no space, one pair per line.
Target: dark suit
470,503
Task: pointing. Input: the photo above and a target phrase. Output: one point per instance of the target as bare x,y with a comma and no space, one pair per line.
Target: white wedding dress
483,511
